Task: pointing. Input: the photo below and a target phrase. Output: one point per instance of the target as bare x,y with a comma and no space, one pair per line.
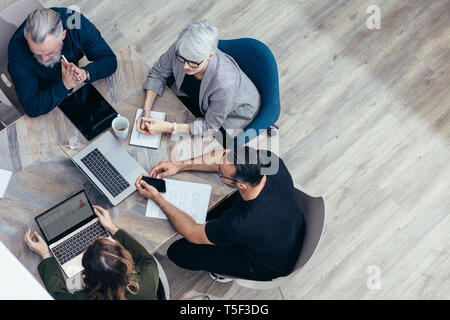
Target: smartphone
158,184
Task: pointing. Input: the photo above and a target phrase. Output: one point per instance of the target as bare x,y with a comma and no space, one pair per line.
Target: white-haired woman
208,81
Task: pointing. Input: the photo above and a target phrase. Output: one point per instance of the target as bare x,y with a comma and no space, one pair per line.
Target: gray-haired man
41,77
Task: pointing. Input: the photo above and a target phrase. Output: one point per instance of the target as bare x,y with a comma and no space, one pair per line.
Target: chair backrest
314,214
259,64
10,19
163,279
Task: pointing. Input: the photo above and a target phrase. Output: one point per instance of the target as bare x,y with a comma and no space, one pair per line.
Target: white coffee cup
120,126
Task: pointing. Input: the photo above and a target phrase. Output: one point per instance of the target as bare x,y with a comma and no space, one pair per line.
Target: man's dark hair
248,165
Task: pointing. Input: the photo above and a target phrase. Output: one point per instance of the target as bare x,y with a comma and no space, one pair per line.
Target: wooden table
45,176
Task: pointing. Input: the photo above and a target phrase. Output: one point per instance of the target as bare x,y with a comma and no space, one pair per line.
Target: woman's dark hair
248,165
107,269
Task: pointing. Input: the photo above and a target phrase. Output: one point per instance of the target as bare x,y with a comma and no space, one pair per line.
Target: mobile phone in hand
158,184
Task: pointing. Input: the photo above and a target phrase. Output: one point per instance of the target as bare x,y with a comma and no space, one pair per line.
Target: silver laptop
110,167
69,228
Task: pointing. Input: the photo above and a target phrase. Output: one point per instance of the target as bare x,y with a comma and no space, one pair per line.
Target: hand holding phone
158,184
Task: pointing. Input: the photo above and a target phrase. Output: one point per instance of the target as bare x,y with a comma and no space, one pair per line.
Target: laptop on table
69,228
105,162
110,167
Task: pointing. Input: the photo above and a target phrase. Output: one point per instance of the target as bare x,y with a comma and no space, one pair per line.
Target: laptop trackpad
121,160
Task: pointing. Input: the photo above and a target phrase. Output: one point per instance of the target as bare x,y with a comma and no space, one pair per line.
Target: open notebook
192,198
143,140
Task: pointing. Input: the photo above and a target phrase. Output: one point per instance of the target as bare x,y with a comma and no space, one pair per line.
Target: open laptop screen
65,217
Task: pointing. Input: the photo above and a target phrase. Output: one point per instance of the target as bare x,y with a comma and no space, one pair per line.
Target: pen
142,116
68,63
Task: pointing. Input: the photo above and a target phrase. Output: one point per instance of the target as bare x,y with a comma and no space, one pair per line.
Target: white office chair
10,19
314,212
165,283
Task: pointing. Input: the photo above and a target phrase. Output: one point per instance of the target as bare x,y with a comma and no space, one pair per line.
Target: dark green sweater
144,262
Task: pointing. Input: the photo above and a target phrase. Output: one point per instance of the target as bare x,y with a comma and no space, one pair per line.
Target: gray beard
50,63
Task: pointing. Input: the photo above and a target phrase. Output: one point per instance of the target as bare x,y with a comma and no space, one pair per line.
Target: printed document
192,198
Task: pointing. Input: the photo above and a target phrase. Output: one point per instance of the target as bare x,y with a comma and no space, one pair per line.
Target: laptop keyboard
76,244
103,170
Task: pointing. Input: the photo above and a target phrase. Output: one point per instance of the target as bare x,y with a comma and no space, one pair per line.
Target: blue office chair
258,63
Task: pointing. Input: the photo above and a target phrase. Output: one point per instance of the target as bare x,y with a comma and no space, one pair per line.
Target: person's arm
141,256
49,270
155,84
53,280
206,163
95,48
220,105
161,71
181,221
34,101
156,126
150,97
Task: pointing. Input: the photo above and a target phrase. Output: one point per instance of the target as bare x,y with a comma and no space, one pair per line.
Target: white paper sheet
17,282
143,140
5,178
192,198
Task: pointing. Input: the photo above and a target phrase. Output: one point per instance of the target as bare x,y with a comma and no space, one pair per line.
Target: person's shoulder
237,212
227,70
18,51
70,18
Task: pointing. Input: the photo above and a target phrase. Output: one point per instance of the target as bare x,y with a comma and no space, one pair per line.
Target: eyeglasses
224,177
190,63
51,54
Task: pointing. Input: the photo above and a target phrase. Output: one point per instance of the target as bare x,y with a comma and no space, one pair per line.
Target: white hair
43,22
198,40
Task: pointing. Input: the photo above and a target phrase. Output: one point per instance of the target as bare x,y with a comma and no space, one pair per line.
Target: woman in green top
113,269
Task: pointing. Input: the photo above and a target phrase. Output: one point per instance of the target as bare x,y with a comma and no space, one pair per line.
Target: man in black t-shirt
258,237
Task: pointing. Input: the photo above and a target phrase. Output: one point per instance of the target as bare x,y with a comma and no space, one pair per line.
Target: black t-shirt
191,87
269,229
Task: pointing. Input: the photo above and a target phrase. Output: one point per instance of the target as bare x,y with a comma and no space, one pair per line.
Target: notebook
192,198
143,140
5,178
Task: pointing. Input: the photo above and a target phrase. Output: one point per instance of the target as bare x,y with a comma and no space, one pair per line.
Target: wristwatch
88,76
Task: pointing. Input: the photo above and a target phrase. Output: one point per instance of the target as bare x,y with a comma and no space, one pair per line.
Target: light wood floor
364,122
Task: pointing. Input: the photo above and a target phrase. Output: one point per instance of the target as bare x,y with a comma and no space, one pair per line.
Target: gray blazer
228,98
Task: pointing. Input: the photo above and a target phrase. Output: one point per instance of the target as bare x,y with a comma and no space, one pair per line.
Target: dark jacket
40,88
